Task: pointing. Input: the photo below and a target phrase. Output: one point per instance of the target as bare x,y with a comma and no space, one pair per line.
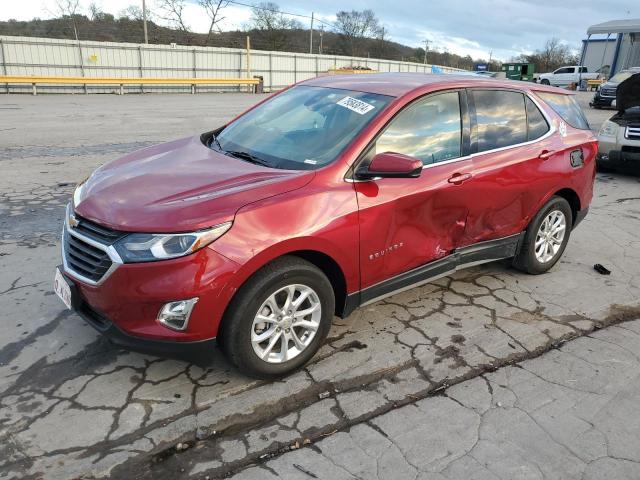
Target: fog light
175,315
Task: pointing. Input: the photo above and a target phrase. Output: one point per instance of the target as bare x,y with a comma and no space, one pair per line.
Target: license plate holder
63,289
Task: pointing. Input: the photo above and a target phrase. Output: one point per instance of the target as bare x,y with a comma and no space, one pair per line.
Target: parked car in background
332,194
564,76
605,96
619,137
486,74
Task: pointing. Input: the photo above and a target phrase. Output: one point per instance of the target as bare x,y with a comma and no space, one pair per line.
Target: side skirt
461,258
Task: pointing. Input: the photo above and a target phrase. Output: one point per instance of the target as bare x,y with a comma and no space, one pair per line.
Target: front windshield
303,128
621,77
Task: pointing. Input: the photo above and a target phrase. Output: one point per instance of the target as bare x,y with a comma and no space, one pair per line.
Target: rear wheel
279,318
546,237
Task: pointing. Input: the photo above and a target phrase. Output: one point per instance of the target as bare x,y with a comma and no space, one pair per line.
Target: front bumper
125,305
599,101
147,345
620,158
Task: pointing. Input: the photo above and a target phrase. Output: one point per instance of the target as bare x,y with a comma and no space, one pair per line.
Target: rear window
567,107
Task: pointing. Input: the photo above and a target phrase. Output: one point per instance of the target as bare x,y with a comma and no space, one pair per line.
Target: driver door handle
546,154
459,178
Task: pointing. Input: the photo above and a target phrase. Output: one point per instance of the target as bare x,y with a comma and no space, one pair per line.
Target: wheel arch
573,199
317,257
331,269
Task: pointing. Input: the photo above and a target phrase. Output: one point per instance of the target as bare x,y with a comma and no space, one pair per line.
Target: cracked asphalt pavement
489,373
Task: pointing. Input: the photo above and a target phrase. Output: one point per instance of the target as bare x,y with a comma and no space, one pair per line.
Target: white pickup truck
563,76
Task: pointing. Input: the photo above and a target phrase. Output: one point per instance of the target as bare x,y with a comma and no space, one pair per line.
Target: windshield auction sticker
356,105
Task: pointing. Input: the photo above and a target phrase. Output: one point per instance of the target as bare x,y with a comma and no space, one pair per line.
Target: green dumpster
519,71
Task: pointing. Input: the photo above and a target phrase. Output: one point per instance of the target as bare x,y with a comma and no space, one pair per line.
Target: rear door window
537,125
567,107
500,117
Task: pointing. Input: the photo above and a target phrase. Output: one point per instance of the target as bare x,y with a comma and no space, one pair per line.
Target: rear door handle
546,154
459,178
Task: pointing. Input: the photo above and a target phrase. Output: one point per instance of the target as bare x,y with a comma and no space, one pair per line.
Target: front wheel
278,319
546,237
544,81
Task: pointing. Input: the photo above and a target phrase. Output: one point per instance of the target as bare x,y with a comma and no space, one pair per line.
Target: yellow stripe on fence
34,80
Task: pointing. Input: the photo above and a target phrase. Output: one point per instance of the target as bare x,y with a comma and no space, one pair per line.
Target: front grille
608,92
633,132
85,259
97,232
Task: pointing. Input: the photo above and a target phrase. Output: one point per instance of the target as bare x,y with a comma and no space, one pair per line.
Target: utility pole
248,57
490,57
321,33
311,35
144,21
426,49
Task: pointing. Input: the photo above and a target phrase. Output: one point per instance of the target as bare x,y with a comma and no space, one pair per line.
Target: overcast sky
475,27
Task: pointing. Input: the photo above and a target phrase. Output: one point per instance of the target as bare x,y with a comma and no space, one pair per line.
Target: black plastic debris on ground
601,269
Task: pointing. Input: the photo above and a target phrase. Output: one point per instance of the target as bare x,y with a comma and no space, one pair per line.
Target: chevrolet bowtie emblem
73,221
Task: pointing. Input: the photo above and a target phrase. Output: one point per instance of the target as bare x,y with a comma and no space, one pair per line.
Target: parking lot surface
72,405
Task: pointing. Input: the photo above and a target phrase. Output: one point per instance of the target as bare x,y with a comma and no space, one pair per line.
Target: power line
300,15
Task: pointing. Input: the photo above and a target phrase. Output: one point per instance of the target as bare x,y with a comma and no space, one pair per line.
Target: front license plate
62,288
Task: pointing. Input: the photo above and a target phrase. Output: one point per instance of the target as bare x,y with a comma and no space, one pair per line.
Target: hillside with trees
354,33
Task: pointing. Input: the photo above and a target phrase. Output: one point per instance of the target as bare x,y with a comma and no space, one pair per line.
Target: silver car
619,137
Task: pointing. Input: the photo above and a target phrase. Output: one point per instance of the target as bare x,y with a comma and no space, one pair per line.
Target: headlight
609,129
149,247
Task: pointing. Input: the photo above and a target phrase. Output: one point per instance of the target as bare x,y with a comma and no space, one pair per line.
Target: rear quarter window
567,107
537,126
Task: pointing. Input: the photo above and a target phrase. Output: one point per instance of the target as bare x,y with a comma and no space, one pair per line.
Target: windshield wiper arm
249,157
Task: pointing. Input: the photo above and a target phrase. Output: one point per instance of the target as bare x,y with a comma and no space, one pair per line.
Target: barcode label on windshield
356,105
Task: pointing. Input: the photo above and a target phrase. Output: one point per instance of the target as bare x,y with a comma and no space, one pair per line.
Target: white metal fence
54,57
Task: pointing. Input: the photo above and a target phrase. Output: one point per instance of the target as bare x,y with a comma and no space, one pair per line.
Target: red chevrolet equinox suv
332,194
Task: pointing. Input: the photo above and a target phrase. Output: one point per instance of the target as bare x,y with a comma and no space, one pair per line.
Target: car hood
177,187
628,93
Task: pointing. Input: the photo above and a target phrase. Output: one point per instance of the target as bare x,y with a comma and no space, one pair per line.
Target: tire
544,81
274,283
530,261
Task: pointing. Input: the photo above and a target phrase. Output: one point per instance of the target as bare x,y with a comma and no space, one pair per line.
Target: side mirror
390,165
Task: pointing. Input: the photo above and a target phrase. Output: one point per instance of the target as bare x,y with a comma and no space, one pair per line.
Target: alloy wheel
286,323
550,236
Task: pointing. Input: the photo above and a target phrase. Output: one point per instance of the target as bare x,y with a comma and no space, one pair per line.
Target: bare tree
69,8
95,11
134,12
355,25
173,12
267,18
213,7
554,54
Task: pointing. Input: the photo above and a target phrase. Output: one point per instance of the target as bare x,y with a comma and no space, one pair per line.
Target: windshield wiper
249,157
